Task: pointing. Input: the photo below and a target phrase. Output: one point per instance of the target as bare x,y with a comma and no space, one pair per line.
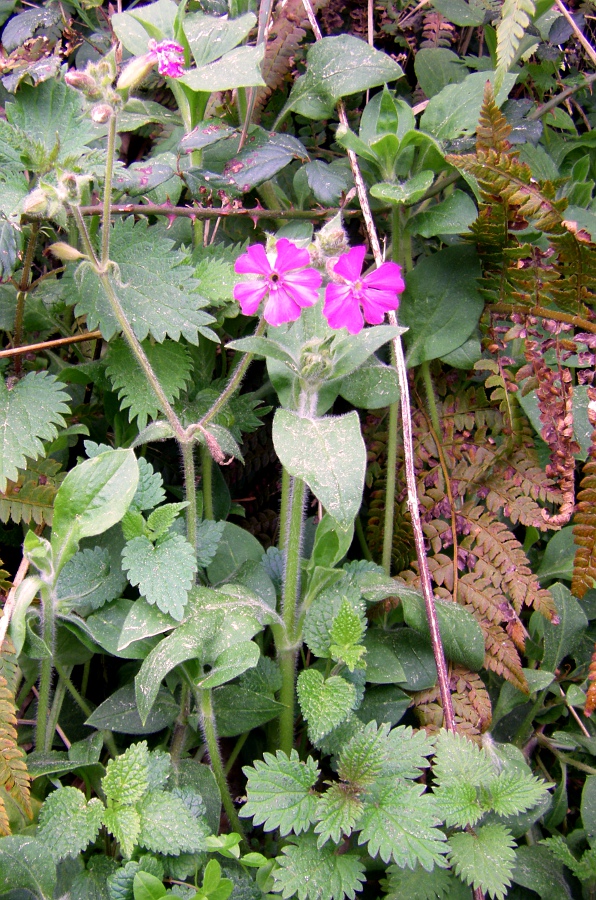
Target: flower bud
64,252
36,203
135,72
101,113
83,82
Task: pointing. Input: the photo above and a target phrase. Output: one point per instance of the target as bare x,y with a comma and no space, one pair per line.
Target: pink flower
169,57
287,283
352,295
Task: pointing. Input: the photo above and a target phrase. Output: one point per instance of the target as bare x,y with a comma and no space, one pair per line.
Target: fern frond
493,128
515,18
32,496
437,31
14,777
590,704
471,704
584,531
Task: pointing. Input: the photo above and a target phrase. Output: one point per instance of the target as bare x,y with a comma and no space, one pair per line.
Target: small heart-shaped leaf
325,703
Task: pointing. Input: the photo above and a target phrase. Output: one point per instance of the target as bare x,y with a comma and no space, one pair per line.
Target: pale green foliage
150,492
399,822
29,414
167,826
583,868
347,631
163,572
313,873
407,751
418,884
279,791
459,759
511,792
86,582
362,760
325,702
484,859
67,823
208,537
515,18
127,776
171,363
159,769
322,612
157,293
162,518
120,883
338,811
124,823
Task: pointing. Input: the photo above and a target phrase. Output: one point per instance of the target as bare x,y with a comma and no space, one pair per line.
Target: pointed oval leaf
231,663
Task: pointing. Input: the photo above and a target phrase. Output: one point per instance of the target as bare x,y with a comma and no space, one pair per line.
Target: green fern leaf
127,777
515,792
171,363
30,412
280,792
163,572
400,822
338,812
67,823
157,293
515,18
325,702
168,827
484,859
312,873
124,823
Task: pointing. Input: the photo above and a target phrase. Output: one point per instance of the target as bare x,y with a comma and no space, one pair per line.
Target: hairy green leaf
168,827
67,823
310,872
280,792
513,792
27,863
127,777
418,884
361,762
325,703
163,572
124,823
338,813
484,859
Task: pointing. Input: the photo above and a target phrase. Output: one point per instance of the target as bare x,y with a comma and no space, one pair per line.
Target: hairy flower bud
83,82
135,72
64,252
36,203
101,113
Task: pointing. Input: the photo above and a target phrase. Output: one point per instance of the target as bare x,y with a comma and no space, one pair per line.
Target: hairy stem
24,285
107,194
389,515
205,704
181,725
431,400
234,382
57,701
190,487
207,482
290,597
42,738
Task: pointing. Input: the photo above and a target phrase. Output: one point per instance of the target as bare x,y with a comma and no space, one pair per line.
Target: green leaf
346,632
326,182
157,293
437,67
168,827
382,663
149,492
51,115
328,454
27,863
459,759
405,193
310,872
460,632
373,386
235,547
209,535
338,812
93,497
10,244
400,822
459,804
127,777
455,110
562,639
407,752
171,363
147,887
238,68
134,28
67,823
361,762
454,215
557,561
350,352
231,663
143,621
512,792
30,412
124,824
536,869
187,642
206,133
265,154
484,859
418,884
87,581
588,808
437,325
161,519
325,703
280,792
163,572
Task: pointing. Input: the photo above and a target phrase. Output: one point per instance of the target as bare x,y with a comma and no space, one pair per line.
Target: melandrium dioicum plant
306,656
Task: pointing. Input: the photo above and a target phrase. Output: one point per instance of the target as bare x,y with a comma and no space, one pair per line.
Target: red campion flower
352,299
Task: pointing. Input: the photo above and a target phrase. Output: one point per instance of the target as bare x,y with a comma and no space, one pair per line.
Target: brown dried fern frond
493,128
584,531
471,704
437,31
590,704
14,777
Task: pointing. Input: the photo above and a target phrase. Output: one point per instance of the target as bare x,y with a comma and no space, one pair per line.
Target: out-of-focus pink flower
286,283
169,57
351,299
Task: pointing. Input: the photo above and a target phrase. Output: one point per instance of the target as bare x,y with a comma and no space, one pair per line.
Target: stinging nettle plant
424,579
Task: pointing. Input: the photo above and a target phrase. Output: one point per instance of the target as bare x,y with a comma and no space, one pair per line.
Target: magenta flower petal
349,266
387,277
303,286
281,307
169,56
249,295
341,308
290,257
253,262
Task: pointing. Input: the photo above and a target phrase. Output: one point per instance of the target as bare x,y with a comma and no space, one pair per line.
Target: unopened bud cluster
316,360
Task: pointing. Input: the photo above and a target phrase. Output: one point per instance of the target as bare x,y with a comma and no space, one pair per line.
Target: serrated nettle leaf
168,827
67,823
134,524
162,518
30,412
310,872
163,572
127,777
93,497
187,642
484,859
124,823
230,664
156,290
362,759
512,793
328,454
27,863
325,703
338,812
280,792
209,535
